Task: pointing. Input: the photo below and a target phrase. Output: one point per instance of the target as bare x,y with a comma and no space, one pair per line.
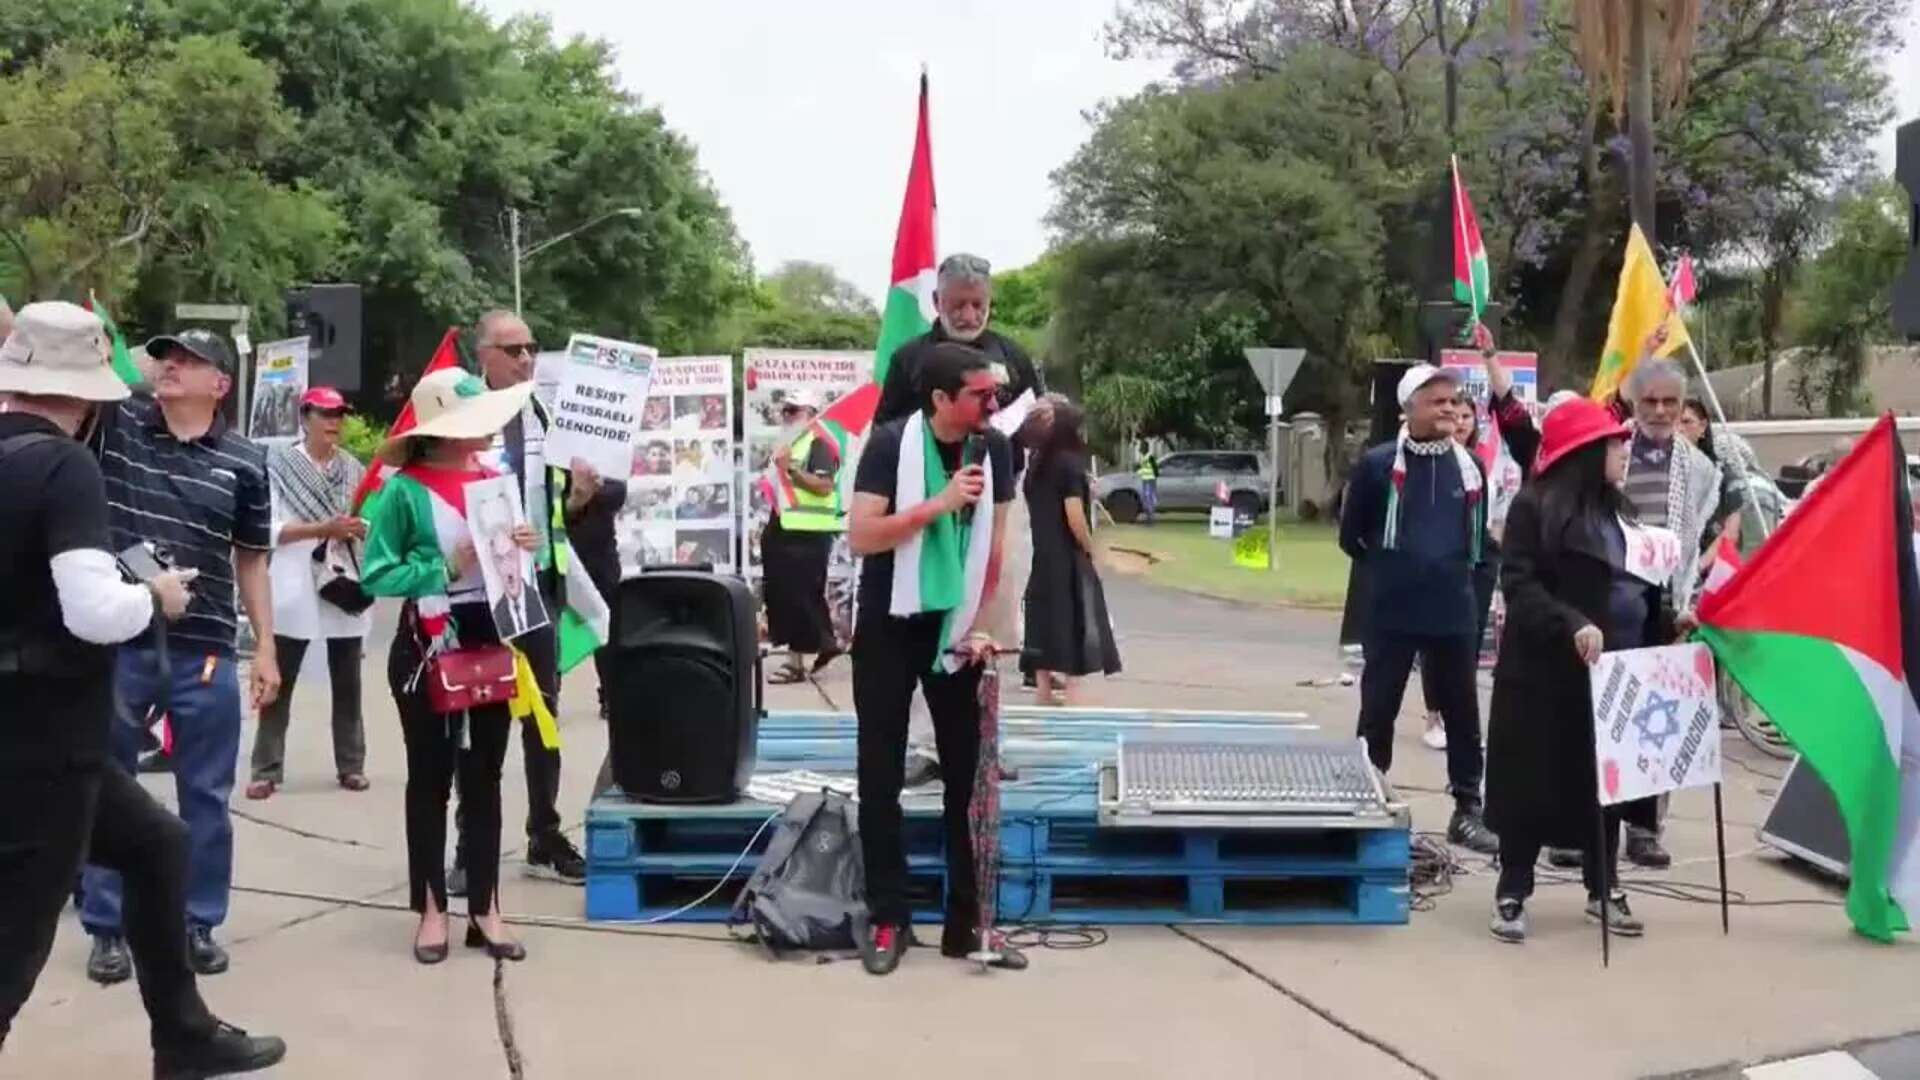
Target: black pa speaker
1804,821
1906,288
328,316
683,705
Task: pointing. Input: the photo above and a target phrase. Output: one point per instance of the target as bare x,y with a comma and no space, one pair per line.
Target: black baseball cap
204,344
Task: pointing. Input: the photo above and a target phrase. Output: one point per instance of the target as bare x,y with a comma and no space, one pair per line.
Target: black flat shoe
499,950
430,954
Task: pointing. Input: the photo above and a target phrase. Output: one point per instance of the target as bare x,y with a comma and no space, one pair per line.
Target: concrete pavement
320,957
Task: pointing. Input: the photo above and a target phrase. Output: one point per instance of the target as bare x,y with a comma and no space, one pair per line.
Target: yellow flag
1639,307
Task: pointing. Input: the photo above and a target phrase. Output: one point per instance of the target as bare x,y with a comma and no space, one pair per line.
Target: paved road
319,954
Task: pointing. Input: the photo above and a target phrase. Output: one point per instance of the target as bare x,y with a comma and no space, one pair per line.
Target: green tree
147,168
418,125
1847,303
814,287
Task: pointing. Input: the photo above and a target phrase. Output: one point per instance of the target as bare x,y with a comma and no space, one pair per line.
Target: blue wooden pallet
1058,864
1225,896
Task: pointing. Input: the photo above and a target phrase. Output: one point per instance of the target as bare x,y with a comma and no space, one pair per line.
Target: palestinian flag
123,364
909,311
1726,563
1830,655
446,356
1472,279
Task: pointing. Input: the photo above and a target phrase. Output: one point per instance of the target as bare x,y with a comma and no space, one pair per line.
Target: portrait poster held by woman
1068,633
1569,597
420,548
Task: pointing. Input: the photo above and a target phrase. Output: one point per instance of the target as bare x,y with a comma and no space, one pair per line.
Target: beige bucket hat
61,350
453,404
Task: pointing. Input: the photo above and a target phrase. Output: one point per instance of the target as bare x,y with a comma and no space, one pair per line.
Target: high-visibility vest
803,511
1149,468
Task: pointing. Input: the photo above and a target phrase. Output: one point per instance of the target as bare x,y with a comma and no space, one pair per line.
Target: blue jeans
1150,497
206,749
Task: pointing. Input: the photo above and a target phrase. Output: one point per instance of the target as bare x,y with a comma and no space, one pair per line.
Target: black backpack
809,891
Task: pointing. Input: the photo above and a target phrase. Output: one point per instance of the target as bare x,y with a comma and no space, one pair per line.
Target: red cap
325,398
1573,425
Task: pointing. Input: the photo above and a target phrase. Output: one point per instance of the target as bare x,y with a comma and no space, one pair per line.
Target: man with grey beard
963,301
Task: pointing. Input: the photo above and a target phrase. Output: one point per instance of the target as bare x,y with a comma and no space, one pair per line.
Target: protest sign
681,488
493,512
279,378
772,374
597,401
1656,722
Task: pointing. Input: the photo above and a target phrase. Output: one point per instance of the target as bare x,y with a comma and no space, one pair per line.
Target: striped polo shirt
200,499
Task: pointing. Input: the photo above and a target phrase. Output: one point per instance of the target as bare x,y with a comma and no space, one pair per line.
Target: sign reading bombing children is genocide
1656,722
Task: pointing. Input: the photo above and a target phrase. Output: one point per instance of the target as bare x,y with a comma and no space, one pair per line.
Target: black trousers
542,764
49,820
344,656
890,657
1451,661
1519,853
434,759
1486,577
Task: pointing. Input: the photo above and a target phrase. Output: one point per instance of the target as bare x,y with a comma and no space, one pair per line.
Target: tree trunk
1773,296
1640,114
1602,197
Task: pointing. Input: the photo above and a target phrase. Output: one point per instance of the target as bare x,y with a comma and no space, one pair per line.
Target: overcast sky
803,112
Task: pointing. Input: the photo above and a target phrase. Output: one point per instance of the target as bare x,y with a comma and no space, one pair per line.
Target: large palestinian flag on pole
1822,629
909,310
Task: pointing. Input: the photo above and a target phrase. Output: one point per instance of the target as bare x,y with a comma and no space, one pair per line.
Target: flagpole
1713,399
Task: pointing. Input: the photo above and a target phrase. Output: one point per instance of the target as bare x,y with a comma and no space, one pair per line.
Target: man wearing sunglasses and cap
178,477
1416,513
68,605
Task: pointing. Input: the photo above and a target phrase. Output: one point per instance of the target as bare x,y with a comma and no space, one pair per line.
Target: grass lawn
1312,573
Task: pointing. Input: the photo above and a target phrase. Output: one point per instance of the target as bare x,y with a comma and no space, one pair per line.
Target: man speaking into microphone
929,518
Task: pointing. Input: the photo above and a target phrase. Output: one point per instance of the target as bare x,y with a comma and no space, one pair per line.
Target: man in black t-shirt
894,650
67,608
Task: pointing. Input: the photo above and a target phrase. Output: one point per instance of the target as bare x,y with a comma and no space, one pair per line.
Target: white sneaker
1436,734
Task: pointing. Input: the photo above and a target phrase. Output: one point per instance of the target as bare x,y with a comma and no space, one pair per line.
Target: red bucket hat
1572,425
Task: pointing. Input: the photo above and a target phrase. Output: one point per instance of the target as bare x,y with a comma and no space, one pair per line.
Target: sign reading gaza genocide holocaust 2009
681,491
1656,722
597,400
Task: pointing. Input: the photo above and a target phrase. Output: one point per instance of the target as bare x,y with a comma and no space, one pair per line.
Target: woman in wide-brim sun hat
419,548
1569,595
453,404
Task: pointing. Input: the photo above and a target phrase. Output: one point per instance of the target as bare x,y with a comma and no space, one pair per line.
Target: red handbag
470,678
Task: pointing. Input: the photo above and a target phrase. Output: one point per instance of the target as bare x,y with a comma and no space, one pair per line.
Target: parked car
1795,477
1189,480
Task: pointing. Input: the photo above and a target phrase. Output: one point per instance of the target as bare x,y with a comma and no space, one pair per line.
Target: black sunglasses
519,348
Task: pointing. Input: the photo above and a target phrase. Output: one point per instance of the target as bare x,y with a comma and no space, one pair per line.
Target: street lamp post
520,257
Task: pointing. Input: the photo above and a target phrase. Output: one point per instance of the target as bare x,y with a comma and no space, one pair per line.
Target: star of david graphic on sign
1658,720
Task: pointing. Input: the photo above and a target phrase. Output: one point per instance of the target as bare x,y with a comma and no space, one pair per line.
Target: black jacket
901,395
1541,780
1424,585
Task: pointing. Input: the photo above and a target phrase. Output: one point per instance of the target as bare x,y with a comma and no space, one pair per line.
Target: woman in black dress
1068,633
1569,597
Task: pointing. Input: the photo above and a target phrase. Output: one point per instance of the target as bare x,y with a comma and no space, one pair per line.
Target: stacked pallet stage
1059,863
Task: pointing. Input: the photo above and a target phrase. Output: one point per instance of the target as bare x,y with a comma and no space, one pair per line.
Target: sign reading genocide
681,495
597,401
1656,722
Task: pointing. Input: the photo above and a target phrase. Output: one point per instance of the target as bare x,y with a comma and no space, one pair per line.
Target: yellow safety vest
1149,468
810,512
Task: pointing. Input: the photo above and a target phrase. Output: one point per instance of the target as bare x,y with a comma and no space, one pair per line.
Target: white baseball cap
1420,375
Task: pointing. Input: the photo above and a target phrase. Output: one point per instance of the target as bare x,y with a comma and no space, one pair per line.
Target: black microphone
972,452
